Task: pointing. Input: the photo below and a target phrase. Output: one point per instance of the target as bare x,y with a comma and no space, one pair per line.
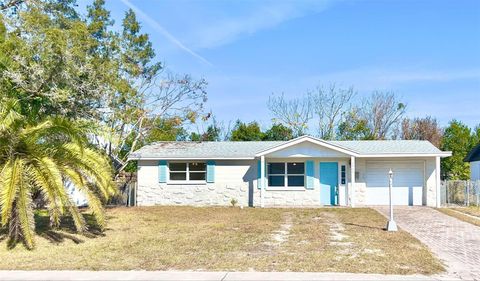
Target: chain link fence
460,193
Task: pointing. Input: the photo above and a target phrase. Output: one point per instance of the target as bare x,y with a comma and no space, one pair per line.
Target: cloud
218,30
388,78
153,23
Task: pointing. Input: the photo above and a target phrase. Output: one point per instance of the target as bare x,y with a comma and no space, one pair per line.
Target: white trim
398,155
262,179
191,158
187,182
393,155
288,188
351,192
187,173
437,181
307,139
286,175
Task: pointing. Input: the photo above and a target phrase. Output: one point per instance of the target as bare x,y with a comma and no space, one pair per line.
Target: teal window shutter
162,171
259,172
310,170
210,171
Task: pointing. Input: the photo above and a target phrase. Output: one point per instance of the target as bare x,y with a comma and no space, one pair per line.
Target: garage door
407,182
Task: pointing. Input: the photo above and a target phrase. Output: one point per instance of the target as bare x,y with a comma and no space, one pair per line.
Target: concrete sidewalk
202,276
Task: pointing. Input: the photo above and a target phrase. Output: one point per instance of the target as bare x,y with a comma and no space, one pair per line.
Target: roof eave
442,154
188,158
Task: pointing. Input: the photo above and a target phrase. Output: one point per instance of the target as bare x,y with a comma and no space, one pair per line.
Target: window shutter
162,171
310,170
210,171
259,182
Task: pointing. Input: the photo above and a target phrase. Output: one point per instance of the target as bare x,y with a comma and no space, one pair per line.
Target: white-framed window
187,171
286,174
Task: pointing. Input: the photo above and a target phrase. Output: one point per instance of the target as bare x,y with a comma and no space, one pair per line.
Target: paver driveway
455,242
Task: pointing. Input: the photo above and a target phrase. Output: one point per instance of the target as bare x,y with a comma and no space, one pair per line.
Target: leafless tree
383,112
422,129
294,113
168,96
329,104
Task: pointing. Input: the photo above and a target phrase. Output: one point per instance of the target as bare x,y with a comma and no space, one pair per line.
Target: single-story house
305,171
474,158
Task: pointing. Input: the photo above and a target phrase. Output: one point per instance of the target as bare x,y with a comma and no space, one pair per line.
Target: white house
305,171
474,158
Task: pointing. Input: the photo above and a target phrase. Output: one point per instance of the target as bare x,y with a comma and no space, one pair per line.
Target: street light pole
391,225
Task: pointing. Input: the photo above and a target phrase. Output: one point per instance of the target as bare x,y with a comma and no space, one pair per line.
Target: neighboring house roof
473,155
252,149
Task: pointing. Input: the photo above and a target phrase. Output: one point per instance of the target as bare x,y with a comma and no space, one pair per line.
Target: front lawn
214,239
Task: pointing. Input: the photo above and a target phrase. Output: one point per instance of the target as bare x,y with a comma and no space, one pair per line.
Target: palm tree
39,155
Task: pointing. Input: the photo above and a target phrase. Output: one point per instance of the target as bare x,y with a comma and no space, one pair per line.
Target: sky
427,52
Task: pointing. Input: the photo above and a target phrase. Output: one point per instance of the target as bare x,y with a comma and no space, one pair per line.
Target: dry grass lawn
187,238
472,210
472,214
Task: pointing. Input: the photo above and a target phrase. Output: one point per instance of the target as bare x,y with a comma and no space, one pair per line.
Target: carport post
262,179
351,192
391,225
437,181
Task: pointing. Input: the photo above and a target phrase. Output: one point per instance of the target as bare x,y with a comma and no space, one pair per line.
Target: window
286,174
343,175
187,171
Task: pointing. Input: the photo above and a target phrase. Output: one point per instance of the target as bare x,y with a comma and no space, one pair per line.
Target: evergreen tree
458,139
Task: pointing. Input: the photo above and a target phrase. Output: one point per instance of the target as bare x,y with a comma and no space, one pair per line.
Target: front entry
328,183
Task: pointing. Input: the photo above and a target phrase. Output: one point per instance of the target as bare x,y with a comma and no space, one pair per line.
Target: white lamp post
391,225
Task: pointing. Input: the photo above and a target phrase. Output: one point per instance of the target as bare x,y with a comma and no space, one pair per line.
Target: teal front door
328,183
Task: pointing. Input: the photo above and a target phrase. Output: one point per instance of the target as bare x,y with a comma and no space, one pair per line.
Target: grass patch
464,214
472,210
187,238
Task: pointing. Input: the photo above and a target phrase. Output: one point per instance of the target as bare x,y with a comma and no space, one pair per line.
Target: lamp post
391,225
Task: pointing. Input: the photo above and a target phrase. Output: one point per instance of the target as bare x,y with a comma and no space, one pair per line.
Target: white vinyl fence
462,193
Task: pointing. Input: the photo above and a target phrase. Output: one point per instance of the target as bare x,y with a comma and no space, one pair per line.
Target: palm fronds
43,155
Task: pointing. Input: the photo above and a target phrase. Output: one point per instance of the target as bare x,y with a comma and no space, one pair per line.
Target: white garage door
407,182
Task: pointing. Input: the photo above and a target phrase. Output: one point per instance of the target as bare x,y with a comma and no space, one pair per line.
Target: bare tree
422,129
329,104
294,113
383,113
174,97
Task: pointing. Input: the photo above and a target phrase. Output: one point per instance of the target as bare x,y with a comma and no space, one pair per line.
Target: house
474,158
305,171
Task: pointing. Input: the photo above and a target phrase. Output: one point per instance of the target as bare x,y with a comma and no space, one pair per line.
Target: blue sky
428,52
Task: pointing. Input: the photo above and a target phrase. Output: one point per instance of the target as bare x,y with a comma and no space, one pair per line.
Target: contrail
164,32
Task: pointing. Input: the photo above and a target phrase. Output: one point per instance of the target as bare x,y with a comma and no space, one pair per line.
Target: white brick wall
233,179
237,179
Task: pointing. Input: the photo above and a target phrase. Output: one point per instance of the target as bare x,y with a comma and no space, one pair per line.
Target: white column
437,181
262,180
351,192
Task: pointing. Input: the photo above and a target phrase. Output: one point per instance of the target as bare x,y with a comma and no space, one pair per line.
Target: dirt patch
336,230
281,235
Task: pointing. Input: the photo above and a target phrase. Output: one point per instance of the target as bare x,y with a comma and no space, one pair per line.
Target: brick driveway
455,242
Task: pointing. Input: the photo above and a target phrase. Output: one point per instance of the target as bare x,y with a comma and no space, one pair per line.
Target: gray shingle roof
248,149
227,149
389,146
